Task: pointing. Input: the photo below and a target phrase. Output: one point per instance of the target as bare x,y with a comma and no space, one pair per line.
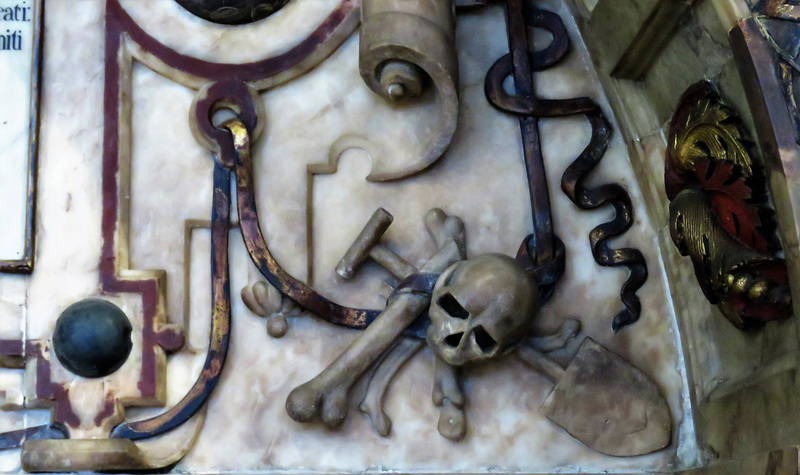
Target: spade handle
538,361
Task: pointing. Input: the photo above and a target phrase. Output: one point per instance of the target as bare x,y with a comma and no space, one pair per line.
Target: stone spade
604,401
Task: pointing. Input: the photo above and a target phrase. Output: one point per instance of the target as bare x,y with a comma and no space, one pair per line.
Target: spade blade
609,404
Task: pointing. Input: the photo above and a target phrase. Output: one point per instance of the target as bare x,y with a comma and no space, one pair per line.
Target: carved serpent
521,63
616,196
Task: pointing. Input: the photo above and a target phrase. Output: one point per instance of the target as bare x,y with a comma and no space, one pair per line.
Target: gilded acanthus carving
718,211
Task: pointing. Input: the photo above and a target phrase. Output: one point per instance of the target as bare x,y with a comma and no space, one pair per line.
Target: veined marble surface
481,179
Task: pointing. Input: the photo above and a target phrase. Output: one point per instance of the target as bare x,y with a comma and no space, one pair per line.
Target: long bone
448,396
372,404
547,343
451,420
539,362
325,396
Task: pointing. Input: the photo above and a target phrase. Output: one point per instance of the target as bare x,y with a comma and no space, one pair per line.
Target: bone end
443,228
360,249
345,272
380,421
334,407
308,402
452,423
571,328
249,299
302,404
277,326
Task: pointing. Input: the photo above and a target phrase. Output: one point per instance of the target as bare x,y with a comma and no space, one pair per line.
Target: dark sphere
92,338
232,12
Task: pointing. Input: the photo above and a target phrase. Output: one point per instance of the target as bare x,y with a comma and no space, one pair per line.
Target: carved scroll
408,57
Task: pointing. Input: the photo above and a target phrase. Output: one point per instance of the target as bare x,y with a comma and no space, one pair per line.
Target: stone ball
92,338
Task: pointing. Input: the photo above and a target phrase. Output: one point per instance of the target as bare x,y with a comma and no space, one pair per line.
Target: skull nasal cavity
483,339
454,339
452,307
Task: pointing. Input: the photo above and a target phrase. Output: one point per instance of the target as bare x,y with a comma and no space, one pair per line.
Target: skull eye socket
484,339
450,305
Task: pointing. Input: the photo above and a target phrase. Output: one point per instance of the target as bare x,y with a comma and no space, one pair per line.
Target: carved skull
481,307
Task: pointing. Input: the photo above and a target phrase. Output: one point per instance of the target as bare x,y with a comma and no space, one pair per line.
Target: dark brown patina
232,12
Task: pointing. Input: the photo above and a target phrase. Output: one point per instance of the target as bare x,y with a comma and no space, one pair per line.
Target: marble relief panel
313,198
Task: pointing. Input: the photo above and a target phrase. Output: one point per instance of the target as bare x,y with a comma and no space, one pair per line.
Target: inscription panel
19,41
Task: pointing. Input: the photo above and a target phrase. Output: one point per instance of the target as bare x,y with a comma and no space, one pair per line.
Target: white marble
481,179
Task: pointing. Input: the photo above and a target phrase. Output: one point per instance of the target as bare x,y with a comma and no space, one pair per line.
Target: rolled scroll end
406,49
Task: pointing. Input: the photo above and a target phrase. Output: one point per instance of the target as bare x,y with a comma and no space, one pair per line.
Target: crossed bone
382,344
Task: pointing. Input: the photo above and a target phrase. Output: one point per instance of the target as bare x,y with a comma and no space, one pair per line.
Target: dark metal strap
417,284
305,296
15,438
420,284
197,396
